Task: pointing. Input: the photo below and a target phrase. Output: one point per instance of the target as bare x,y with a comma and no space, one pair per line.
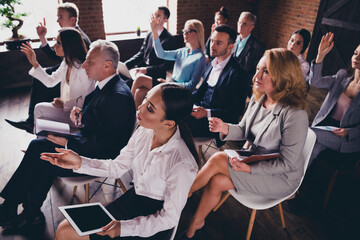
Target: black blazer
109,119
157,67
250,55
228,99
50,52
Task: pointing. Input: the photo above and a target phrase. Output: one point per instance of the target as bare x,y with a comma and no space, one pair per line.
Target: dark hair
306,36
71,8
224,13
73,45
226,29
166,11
350,71
179,103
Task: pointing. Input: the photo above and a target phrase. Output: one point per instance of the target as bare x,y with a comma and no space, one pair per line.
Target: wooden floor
229,222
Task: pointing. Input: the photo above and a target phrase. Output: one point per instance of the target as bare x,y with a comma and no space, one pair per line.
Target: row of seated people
279,87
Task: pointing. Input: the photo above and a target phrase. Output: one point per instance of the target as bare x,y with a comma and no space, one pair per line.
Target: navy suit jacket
109,119
230,92
157,67
250,55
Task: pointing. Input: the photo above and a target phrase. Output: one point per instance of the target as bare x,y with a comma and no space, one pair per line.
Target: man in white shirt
225,86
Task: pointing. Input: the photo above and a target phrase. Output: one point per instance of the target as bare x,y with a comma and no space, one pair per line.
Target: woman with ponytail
275,121
162,157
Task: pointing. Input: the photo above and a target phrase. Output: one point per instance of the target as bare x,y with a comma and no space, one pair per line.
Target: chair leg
221,201
251,224
74,190
330,188
122,186
86,193
281,215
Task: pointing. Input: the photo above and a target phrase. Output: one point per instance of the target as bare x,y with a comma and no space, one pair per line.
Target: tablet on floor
87,218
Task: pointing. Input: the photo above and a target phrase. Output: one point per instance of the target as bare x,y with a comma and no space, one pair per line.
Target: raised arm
325,46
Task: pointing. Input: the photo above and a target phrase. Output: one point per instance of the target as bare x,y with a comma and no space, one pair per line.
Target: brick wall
91,18
277,19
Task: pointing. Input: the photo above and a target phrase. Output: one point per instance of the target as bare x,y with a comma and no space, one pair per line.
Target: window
36,10
124,16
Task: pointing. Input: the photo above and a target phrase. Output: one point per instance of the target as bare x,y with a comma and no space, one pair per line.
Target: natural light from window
36,10
127,16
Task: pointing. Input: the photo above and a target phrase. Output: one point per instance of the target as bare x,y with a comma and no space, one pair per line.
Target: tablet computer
87,218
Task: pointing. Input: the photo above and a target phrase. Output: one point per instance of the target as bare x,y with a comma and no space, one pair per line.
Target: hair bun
223,9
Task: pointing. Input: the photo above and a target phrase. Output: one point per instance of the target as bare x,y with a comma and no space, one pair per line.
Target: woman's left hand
112,229
239,166
341,132
57,102
57,140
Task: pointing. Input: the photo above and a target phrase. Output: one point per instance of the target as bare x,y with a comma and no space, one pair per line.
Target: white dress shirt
216,70
79,83
165,173
305,66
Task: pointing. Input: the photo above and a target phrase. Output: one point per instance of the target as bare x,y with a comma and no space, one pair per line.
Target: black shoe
24,125
6,215
24,225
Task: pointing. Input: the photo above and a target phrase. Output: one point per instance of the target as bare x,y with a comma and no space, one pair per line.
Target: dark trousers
33,178
131,205
200,128
41,93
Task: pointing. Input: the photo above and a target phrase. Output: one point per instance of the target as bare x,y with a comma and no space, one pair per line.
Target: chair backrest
259,202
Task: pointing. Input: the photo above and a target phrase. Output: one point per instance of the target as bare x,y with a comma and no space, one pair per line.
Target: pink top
341,107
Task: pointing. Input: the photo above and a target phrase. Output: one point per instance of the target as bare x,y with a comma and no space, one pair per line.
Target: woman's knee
65,231
220,183
218,161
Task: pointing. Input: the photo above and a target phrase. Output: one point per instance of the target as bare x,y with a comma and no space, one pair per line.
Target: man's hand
75,115
41,31
198,112
57,140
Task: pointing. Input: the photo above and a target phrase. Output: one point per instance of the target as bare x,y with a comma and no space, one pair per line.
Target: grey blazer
283,131
351,119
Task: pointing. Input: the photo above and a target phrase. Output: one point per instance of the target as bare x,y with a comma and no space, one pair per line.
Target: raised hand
65,158
217,125
154,24
41,29
325,46
30,54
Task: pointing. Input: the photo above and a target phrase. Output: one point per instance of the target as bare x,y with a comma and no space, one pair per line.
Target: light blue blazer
336,85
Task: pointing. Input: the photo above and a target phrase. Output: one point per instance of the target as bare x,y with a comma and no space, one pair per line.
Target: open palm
65,158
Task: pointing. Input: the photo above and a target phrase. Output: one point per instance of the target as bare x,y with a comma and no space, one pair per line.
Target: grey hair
108,50
251,17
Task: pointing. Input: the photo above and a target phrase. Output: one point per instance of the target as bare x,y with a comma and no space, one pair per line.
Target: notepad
45,127
252,158
87,218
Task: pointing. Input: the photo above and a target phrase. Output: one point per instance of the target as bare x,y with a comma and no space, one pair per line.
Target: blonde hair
199,28
286,75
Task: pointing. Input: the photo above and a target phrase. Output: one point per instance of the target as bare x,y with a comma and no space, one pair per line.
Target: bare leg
215,165
142,81
65,232
139,96
210,198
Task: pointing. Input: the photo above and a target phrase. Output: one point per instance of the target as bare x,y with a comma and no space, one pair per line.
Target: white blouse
164,173
79,83
305,66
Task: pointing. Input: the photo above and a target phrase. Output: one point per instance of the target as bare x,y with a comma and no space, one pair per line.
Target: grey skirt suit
282,130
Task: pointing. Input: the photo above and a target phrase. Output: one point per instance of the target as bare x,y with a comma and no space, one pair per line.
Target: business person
108,117
225,86
74,83
163,159
275,121
67,16
298,43
189,61
341,107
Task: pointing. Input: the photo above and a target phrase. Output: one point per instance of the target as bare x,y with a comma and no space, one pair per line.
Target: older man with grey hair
247,49
107,119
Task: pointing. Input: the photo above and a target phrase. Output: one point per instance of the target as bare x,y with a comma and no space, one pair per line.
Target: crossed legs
216,179
140,87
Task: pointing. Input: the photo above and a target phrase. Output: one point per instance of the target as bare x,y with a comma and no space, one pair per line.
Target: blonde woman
275,121
189,61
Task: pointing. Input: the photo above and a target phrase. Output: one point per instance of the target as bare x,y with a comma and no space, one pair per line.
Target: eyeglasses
57,42
186,32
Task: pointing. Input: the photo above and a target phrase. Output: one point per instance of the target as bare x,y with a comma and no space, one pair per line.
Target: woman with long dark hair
164,162
75,84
